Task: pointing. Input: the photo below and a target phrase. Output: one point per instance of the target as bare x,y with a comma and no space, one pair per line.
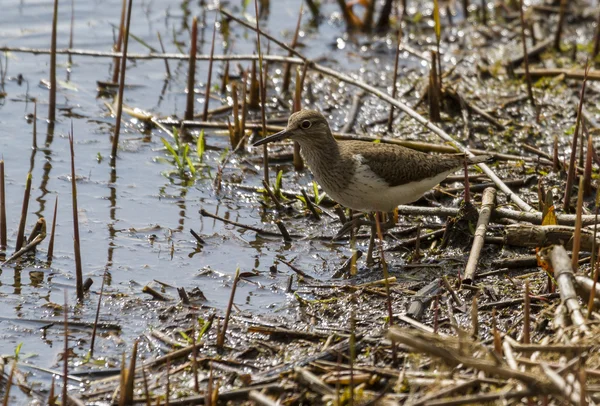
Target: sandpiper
366,176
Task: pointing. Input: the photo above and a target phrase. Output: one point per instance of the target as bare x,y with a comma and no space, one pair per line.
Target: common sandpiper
366,176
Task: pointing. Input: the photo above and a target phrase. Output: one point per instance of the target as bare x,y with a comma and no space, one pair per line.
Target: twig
487,205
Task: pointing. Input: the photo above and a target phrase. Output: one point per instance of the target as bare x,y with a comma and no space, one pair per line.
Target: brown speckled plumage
365,175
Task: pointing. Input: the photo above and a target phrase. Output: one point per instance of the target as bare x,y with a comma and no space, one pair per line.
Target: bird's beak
281,135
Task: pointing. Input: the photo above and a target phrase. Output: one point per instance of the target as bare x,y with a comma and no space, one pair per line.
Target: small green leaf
436,20
200,145
171,151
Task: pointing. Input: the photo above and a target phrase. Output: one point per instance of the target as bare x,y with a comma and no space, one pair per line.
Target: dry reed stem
24,209
95,329
34,132
223,332
587,173
119,43
162,48
189,105
572,161
394,86
526,314
525,55
121,93
52,96
577,233
3,226
210,69
485,213
559,26
65,352
9,384
50,254
76,240
287,70
263,95
126,393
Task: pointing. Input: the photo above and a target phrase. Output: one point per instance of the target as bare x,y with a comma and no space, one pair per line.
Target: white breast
369,192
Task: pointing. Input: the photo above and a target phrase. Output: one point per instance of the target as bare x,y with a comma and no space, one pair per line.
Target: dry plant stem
76,240
52,232
577,233
587,173
261,399
34,135
386,277
559,26
210,68
568,73
287,70
526,314
93,340
3,226
394,87
24,209
572,169
162,48
189,105
52,96
595,270
563,274
487,206
65,352
194,357
223,332
126,395
597,38
119,43
525,55
115,140
263,95
9,384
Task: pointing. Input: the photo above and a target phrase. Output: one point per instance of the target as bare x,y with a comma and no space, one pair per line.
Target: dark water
134,222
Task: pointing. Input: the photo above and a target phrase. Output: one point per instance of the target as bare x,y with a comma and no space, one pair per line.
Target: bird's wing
398,165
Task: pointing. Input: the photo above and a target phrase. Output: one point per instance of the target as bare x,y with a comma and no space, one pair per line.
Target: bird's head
307,127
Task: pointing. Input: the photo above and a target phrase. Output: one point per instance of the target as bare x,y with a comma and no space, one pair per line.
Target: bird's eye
305,124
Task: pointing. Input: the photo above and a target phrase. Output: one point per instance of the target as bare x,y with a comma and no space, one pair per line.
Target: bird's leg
355,222
370,261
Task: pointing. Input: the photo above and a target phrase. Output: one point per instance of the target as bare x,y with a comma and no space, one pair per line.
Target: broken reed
434,93
162,48
115,140
210,68
52,96
559,26
95,329
263,95
76,240
189,104
65,352
300,78
128,379
24,208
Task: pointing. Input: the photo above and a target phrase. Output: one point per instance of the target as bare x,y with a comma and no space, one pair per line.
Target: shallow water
134,223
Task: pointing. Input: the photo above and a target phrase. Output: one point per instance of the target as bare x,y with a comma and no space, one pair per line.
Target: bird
366,176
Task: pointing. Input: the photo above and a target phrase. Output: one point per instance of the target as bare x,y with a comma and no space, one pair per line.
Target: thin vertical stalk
9,384
119,43
189,105
571,170
162,48
76,240
34,135
95,329
587,173
578,225
65,400
126,395
71,32
387,283
394,87
210,69
115,143
52,97
434,90
52,232
287,70
223,332
24,209
262,97
526,314
597,38
525,55
3,238
300,78
559,26
194,358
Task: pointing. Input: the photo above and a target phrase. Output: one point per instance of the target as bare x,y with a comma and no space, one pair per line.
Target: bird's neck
322,154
